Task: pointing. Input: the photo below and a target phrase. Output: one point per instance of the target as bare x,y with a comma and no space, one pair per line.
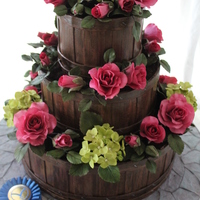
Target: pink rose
167,79
44,59
100,10
176,113
132,140
151,129
33,75
152,47
49,39
152,32
146,3
126,5
62,140
30,87
55,2
33,125
136,76
107,80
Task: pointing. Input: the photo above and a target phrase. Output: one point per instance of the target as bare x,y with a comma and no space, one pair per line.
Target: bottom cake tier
136,182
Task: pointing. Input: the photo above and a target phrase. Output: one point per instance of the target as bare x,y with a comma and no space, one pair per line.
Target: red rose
49,39
146,3
44,59
167,79
126,5
152,46
55,2
100,10
176,113
136,76
30,87
132,140
33,125
152,32
151,129
33,75
62,140
107,80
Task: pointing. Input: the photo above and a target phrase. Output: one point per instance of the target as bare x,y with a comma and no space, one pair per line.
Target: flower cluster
102,10
102,145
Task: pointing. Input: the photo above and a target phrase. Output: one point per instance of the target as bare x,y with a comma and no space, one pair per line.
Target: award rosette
20,189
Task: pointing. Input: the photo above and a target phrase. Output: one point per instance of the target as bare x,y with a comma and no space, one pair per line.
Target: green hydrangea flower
22,101
102,145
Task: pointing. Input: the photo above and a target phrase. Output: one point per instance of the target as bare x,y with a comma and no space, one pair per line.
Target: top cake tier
85,47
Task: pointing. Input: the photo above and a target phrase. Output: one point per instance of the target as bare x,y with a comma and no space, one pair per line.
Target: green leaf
60,10
109,55
176,143
151,151
165,65
20,151
57,153
39,150
72,134
88,91
39,79
101,100
161,52
36,45
27,73
141,59
53,87
153,58
87,10
26,57
145,14
35,67
88,120
136,30
79,170
84,105
74,157
75,71
72,2
110,174
135,157
140,149
36,57
88,22
66,96
12,135
151,166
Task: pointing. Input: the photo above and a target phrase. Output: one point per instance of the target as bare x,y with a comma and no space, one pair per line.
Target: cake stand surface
182,183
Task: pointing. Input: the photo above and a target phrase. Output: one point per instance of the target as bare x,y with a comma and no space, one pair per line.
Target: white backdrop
22,20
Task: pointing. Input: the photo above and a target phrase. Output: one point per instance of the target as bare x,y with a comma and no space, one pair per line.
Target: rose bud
44,59
152,32
132,140
77,9
167,79
62,140
49,39
30,87
152,47
126,5
33,75
100,10
55,2
74,83
145,3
